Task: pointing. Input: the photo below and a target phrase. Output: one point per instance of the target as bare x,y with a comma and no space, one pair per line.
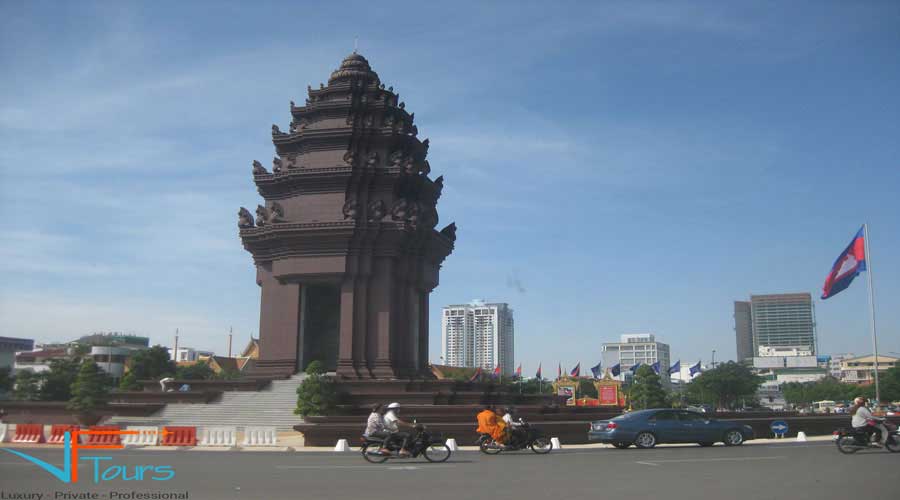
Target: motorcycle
851,440
422,443
528,437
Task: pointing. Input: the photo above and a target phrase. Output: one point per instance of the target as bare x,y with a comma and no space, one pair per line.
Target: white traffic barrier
260,436
342,445
146,436
801,437
3,430
451,443
554,444
218,436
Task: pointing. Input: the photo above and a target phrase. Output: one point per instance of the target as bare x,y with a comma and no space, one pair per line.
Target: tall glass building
781,322
479,335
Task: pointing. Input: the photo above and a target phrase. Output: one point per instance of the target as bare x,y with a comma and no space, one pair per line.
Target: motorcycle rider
393,423
861,418
491,424
516,435
375,427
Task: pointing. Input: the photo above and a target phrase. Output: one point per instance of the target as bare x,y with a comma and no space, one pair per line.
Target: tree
317,394
535,386
646,391
129,383
152,364
89,390
57,381
725,386
196,371
829,388
888,384
6,379
27,386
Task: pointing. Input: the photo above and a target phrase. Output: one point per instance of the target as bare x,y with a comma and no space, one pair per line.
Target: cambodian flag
476,375
850,263
497,371
538,374
519,371
576,372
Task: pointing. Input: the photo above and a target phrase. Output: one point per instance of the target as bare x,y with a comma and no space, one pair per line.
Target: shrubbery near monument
89,390
317,394
646,391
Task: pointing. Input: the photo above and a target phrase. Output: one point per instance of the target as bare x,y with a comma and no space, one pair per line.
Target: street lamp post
714,358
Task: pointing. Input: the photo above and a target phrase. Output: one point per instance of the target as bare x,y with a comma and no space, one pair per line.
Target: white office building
478,335
638,348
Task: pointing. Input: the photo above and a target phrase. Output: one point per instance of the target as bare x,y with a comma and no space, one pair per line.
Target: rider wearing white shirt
861,417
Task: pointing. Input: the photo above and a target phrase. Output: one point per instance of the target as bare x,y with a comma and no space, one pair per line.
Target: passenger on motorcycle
375,427
863,420
393,423
491,424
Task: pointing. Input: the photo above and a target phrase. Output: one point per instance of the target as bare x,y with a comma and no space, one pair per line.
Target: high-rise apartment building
743,331
478,335
777,322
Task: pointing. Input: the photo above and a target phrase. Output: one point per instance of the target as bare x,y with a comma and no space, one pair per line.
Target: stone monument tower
345,243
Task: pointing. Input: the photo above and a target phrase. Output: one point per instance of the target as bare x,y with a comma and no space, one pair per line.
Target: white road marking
693,460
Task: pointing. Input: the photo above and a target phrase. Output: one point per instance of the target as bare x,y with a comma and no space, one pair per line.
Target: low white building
111,359
189,355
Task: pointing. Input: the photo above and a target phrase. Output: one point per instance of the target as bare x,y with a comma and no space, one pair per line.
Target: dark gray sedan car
647,428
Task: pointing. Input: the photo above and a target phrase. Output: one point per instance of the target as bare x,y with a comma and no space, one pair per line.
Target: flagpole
872,308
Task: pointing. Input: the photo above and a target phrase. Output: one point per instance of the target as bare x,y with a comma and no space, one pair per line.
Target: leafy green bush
646,391
196,371
317,394
27,386
129,383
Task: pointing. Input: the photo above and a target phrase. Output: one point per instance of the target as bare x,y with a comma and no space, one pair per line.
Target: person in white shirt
514,426
861,417
393,423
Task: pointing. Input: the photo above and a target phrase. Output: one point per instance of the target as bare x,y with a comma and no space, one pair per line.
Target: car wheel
645,440
622,446
733,438
706,444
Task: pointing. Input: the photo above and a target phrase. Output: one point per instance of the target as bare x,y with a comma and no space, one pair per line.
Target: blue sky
613,167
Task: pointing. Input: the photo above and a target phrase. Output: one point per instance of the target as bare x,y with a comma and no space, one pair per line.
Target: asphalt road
813,470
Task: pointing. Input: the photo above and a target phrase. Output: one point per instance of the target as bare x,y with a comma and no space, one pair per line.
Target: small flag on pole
695,369
538,374
576,372
616,370
559,371
519,371
655,367
848,265
476,376
676,368
497,371
634,367
595,370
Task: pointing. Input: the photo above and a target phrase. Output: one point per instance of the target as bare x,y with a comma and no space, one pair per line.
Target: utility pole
714,359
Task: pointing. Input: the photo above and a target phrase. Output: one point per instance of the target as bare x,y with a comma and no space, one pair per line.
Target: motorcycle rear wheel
437,453
893,443
541,446
371,456
847,445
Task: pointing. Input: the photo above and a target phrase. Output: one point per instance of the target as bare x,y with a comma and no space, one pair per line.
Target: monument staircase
272,405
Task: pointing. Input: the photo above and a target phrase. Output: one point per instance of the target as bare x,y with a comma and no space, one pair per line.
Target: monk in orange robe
490,423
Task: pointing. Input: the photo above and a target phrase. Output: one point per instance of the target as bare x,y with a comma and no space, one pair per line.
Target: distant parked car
647,428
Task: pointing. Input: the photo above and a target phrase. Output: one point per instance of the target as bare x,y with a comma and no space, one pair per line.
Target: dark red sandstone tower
345,246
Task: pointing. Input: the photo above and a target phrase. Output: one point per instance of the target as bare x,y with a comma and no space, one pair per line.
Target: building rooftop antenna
355,43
